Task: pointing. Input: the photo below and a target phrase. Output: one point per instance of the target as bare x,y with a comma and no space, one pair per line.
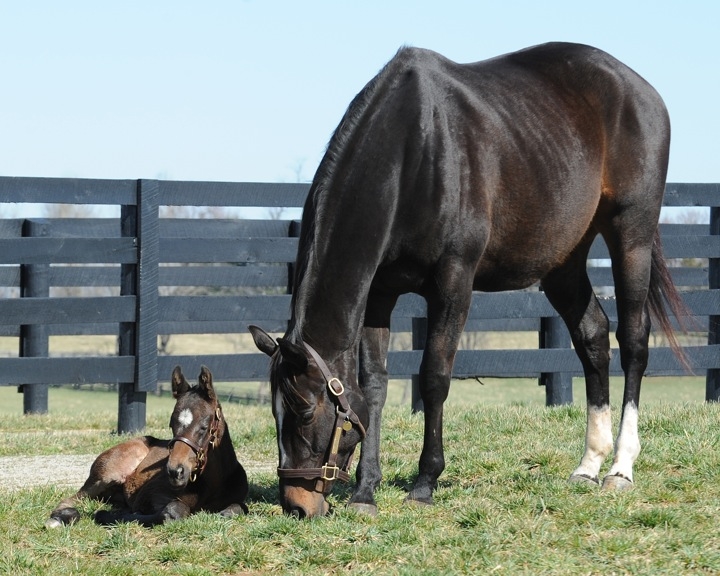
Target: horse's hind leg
570,292
631,269
95,487
105,481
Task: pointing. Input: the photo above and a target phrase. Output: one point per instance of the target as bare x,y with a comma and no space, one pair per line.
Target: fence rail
239,273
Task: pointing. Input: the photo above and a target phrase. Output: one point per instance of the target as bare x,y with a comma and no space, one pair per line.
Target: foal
152,481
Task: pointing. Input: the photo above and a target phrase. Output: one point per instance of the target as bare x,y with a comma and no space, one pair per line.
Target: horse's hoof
365,509
583,479
53,523
420,502
616,483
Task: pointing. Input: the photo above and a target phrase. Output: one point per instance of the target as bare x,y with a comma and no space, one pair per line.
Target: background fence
143,277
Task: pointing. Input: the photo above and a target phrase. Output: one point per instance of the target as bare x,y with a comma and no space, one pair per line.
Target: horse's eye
307,417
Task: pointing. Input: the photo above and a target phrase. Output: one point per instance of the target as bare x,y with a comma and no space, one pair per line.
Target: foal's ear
294,354
206,383
263,340
179,384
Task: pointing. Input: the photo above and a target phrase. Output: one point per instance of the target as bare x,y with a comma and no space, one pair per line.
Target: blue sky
251,90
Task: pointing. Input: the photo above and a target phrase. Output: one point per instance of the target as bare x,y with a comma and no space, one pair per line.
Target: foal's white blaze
598,442
185,418
280,414
627,447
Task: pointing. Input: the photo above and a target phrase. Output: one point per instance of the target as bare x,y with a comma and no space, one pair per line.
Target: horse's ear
263,340
294,354
179,384
206,383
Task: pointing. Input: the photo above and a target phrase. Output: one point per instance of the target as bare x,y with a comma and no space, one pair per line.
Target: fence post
293,232
558,385
34,283
139,338
419,339
712,382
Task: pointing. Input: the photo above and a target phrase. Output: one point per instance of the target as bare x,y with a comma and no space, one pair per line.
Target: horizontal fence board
220,327
468,363
230,275
68,191
258,194
222,308
76,370
223,228
673,247
484,306
81,227
67,250
691,194
224,367
11,227
531,363
228,250
67,310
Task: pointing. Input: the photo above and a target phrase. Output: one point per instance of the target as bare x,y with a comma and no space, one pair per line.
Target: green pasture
503,505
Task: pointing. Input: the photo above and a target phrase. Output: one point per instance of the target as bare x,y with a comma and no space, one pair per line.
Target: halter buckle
335,392
326,470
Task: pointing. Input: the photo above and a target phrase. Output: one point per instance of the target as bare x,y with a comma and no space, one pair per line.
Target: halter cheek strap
345,419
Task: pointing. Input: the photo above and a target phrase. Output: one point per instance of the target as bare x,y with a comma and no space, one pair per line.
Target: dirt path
17,472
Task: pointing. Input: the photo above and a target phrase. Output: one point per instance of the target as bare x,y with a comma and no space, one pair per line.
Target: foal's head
197,426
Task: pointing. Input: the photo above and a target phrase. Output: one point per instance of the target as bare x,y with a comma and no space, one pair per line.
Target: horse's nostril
298,512
176,473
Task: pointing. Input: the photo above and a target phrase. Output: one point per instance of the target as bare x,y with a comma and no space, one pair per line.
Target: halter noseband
201,451
345,419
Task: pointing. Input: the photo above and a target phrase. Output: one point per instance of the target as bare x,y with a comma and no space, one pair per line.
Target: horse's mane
336,149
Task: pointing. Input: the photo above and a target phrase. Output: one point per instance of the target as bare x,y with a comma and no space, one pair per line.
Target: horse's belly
515,271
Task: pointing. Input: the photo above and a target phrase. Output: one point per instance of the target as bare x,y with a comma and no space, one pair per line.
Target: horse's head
317,424
196,424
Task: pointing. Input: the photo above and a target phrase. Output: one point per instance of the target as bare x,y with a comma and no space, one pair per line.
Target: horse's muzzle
178,475
302,501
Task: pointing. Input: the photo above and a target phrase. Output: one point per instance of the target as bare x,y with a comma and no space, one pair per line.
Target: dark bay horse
153,481
445,178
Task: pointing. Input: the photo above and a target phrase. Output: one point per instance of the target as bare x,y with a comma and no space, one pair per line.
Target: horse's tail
662,291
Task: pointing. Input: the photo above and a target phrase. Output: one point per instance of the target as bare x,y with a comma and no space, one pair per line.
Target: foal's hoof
53,523
616,483
364,509
64,517
583,479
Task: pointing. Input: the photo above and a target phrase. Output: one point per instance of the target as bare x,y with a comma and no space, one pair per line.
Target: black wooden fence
242,268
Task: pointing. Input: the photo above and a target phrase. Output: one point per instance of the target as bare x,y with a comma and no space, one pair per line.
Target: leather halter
201,451
345,419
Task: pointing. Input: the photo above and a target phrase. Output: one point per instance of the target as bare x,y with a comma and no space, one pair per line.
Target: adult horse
153,481
445,178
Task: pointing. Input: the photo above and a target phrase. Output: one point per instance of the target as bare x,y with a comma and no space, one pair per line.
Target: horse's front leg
373,379
447,312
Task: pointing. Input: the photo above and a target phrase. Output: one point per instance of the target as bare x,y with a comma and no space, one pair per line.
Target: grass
502,507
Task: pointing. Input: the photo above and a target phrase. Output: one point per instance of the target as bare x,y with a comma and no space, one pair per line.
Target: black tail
662,291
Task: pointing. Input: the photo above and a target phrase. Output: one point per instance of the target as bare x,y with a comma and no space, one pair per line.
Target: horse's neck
224,451
330,293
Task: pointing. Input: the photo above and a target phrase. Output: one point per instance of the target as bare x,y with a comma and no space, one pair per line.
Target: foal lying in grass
152,481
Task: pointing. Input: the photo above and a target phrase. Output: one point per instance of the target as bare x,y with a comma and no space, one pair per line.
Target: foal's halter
201,451
345,419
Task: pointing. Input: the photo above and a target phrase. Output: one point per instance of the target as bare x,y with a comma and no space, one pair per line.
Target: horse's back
507,152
